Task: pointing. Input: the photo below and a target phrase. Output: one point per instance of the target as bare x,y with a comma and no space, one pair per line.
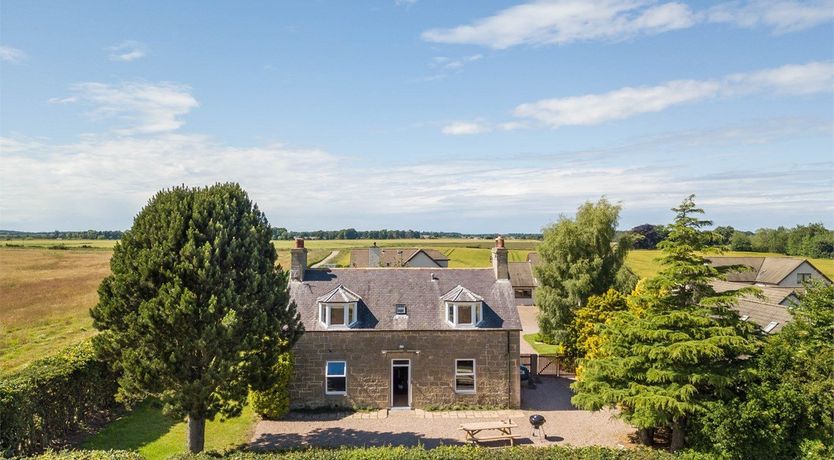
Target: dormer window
338,308
463,308
337,314
463,314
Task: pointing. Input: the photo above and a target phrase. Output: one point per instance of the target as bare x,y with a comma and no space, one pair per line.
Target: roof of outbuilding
766,270
772,294
521,274
392,257
534,258
763,313
380,289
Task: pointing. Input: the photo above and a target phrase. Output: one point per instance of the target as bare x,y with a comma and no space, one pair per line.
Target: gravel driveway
551,398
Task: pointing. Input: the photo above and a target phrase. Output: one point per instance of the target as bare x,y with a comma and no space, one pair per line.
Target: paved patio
565,425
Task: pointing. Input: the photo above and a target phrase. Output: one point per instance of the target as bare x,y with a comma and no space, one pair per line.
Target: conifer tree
195,311
679,346
579,259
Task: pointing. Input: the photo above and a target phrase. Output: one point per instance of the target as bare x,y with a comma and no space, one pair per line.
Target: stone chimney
374,255
500,262
298,261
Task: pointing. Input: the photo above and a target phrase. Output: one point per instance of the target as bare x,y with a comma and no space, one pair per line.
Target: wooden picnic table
503,427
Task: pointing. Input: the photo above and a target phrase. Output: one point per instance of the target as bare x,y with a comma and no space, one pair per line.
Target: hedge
53,397
452,453
275,402
405,453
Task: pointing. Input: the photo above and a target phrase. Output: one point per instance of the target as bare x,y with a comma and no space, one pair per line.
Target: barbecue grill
537,421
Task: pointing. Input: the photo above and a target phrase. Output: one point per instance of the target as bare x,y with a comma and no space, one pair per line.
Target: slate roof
763,313
534,258
460,294
521,274
772,294
392,257
339,294
380,289
766,270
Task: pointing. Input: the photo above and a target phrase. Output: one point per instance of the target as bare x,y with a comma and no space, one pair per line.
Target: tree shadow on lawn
143,425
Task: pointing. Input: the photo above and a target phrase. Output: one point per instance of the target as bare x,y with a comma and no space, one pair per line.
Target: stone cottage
405,337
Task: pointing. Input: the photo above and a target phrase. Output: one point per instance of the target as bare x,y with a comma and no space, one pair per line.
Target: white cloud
101,181
559,22
626,102
128,50
780,15
9,54
458,128
137,107
547,22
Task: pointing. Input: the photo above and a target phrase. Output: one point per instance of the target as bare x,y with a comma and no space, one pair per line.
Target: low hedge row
404,453
52,397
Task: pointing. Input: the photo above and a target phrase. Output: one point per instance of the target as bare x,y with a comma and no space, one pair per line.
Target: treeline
59,235
280,233
812,240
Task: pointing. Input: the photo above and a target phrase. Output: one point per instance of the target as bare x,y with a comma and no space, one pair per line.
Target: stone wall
432,355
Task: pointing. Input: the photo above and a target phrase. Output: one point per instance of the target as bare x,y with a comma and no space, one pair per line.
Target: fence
548,365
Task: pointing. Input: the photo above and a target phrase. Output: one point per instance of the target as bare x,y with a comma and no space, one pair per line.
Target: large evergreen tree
679,346
787,411
579,259
195,311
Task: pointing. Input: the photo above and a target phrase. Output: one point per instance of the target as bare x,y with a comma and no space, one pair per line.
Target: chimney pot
499,242
299,243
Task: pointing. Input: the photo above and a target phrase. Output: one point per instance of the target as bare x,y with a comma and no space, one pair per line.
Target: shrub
89,455
52,397
451,453
275,402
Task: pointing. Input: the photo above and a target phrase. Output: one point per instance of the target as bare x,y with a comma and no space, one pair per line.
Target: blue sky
437,115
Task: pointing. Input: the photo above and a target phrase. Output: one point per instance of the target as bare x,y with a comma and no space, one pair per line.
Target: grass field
156,436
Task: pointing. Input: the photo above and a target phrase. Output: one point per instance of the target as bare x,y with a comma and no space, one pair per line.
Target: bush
52,397
89,455
450,453
275,402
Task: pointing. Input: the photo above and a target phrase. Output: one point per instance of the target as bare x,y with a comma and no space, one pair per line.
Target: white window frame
327,376
476,317
325,309
474,375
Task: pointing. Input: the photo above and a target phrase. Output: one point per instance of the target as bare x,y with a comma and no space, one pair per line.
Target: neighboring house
405,337
771,271
779,279
523,279
375,256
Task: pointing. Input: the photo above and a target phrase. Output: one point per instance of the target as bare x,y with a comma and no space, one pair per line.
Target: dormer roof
339,294
461,294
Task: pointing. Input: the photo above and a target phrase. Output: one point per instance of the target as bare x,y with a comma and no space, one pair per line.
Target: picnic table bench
503,427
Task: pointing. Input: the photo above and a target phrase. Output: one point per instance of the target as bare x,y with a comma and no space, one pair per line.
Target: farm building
405,337
376,256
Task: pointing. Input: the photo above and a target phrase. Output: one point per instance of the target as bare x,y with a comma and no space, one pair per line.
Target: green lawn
156,436
541,347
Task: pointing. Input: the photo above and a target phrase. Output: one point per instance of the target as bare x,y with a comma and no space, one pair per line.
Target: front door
400,383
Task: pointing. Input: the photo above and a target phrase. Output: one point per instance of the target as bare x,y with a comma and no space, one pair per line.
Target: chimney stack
374,255
500,260
298,260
